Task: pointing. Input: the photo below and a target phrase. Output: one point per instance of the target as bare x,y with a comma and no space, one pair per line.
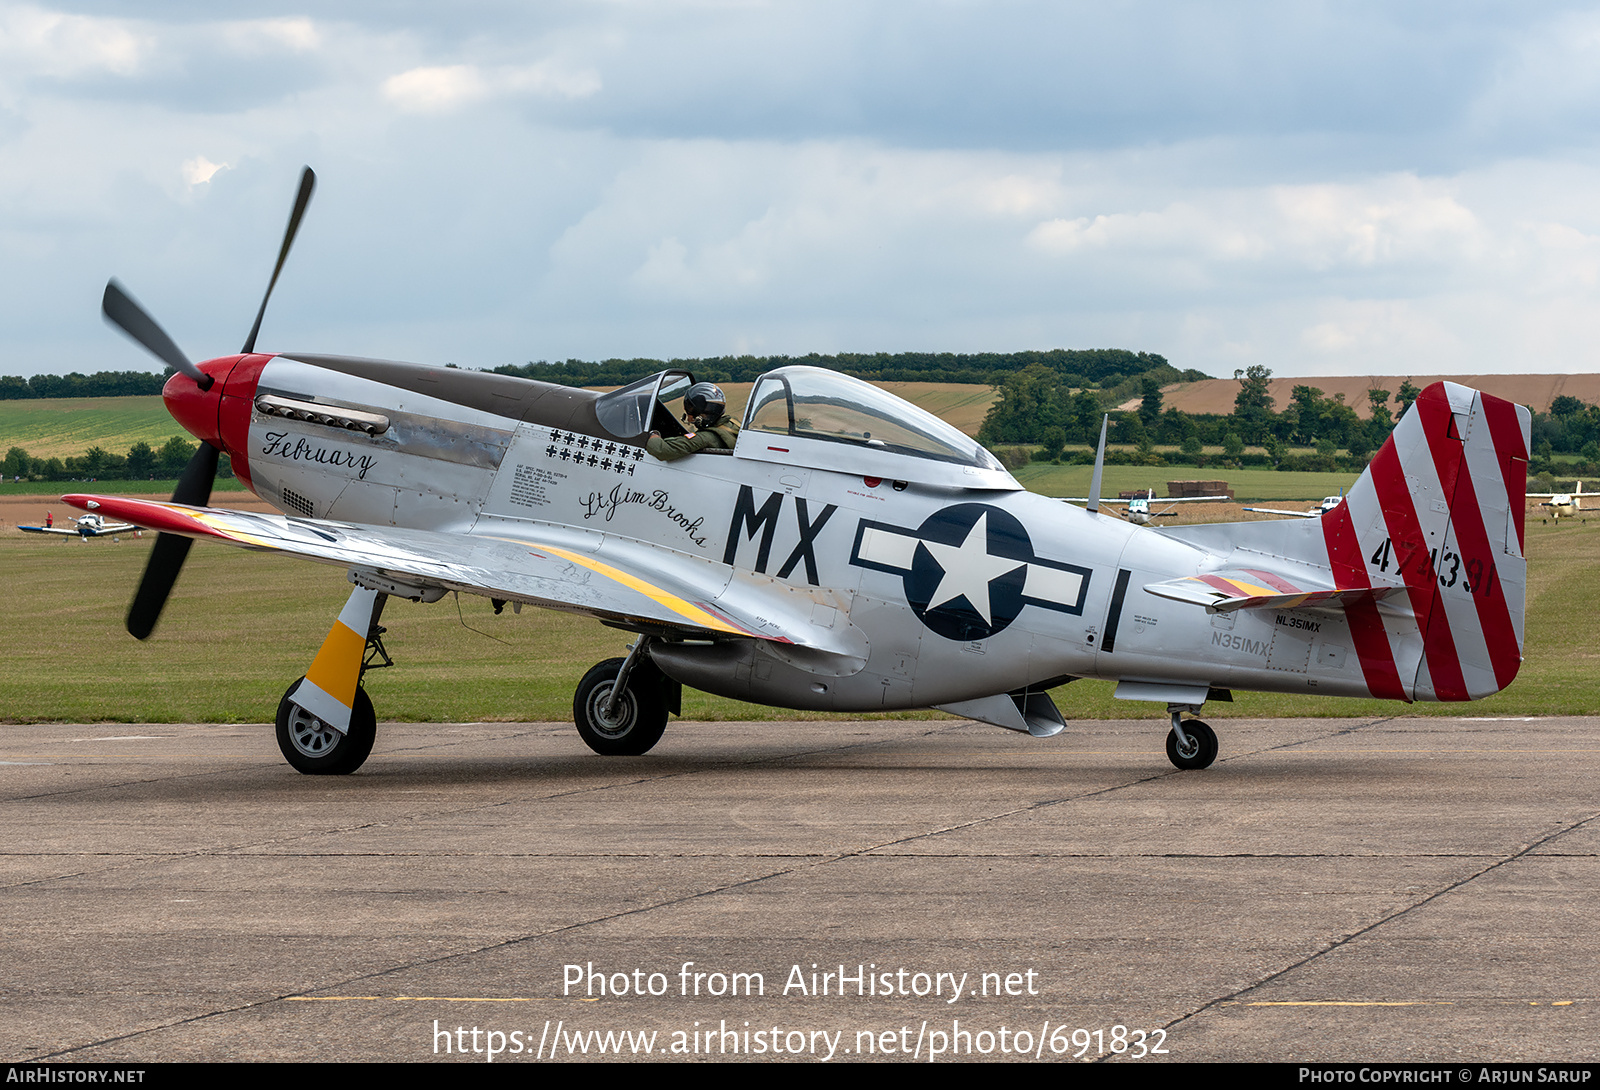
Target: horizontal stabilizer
1253,588
1281,511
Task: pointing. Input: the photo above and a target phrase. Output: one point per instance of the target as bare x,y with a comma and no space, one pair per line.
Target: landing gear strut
326,723
621,704
1191,744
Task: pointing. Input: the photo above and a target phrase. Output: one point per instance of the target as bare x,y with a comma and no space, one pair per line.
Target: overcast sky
1323,188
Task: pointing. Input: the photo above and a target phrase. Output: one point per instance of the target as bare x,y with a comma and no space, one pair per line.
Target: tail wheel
315,748
637,719
1201,747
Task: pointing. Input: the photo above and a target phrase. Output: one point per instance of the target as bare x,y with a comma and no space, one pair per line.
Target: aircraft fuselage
933,593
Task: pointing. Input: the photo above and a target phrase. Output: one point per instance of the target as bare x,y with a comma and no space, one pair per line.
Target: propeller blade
122,311
194,487
170,550
308,182
166,560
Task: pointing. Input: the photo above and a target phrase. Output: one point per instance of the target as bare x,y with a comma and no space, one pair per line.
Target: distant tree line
1037,409
141,462
1099,367
1107,367
100,384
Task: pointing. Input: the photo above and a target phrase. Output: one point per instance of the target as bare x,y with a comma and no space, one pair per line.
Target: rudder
1440,509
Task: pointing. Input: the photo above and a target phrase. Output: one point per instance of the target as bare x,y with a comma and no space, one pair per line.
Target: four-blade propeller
194,487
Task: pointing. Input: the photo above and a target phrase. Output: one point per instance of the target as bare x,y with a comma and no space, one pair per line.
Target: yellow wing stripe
223,530
336,648
687,610
213,525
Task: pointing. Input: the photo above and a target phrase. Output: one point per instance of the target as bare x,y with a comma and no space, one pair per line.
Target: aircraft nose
234,414
197,409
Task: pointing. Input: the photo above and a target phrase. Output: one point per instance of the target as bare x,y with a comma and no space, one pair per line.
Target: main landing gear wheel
637,720
317,749
1201,747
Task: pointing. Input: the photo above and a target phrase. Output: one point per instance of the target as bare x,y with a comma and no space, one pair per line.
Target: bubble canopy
833,421
637,407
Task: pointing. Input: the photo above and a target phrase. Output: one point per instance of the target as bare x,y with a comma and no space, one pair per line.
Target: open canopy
825,420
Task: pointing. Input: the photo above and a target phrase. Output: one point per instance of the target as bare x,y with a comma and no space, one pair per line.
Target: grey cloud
1025,76
1036,76
218,66
1300,185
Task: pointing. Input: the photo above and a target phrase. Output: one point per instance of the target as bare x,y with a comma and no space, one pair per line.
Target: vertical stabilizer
1441,510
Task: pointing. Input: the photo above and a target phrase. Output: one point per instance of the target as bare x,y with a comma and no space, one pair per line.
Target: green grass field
120,488
65,427
242,626
1247,484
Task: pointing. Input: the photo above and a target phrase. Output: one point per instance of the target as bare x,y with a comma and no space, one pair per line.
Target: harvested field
1536,391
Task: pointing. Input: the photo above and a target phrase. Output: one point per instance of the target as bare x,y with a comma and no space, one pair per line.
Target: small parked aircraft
83,527
1138,507
1328,504
1569,504
850,552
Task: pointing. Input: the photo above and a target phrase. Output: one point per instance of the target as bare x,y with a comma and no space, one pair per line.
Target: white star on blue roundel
970,570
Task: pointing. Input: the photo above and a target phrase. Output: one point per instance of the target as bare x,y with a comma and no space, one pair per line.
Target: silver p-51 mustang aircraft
851,552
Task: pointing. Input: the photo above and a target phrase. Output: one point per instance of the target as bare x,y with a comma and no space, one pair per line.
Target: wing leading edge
555,573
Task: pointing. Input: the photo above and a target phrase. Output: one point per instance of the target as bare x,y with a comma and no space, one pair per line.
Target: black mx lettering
808,535
746,516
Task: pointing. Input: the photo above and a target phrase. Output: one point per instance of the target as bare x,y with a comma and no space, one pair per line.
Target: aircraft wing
1253,588
1276,511
1152,499
48,530
564,572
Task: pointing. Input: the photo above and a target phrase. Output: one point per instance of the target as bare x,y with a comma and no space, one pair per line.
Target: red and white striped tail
1440,509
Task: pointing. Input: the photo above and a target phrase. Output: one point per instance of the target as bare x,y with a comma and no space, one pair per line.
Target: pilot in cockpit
705,411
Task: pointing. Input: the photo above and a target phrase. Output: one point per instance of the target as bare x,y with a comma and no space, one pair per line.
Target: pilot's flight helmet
705,402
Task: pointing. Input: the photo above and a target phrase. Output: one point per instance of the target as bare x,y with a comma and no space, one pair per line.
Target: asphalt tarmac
1330,890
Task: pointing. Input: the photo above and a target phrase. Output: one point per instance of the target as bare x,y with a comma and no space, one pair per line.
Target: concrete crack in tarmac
123,783
1079,797
1309,741
1374,925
